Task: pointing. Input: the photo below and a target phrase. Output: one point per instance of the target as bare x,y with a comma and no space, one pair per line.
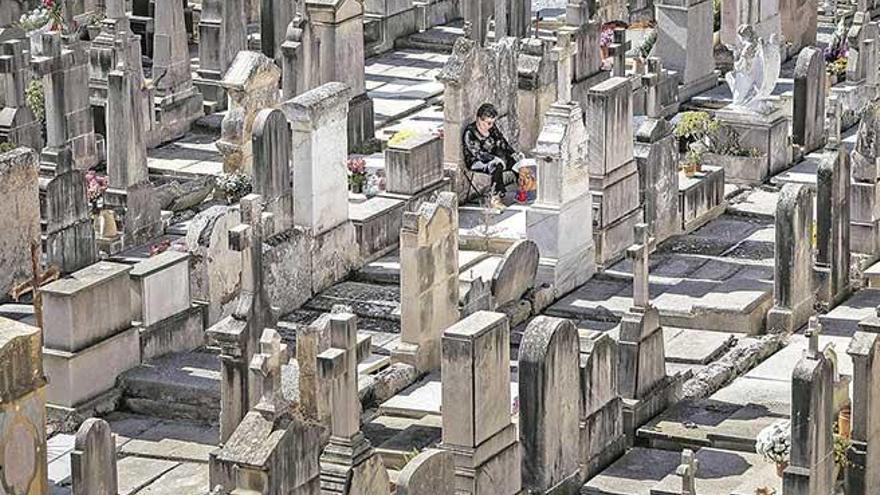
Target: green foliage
696,126
841,445
233,186
648,44
35,98
707,135
7,147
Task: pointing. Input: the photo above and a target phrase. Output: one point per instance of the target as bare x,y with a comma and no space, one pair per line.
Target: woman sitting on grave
487,151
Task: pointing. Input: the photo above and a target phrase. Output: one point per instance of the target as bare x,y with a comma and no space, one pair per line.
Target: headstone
688,469
432,472
477,427
272,177
266,365
684,43
93,460
617,49
536,89
474,75
661,90
811,466
862,473
252,85
861,51
614,174
560,219
85,350
178,104
216,268
222,35
792,282
549,406
275,15
808,123
17,122
833,226
563,53
314,396
22,410
513,18
70,234
349,466
428,281
762,15
319,157
126,148
515,275
601,436
64,68
865,212
582,20
20,225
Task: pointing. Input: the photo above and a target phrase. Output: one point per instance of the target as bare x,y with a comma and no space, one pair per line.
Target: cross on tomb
651,80
814,328
618,49
267,366
562,54
833,125
337,366
638,253
688,472
13,67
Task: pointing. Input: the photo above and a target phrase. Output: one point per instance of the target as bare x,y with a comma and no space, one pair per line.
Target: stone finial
266,365
562,54
814,328
688,472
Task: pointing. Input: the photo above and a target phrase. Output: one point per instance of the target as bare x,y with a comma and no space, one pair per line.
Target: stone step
437,39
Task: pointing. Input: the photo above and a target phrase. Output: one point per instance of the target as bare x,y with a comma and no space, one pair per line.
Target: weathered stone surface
21,224
549,405
792,289
516,274
93,461
432,472
684,43
271,166
18,124
215,267
414,164
601,438
863,475
833,226
222,35
808,122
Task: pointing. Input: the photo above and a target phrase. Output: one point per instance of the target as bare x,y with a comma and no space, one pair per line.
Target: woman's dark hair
487,111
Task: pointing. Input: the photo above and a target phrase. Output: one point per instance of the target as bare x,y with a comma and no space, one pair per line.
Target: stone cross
53,63
812,334
688,472
639,252
833,118
337,366
13,67
562,55
266,365
652,79
618,49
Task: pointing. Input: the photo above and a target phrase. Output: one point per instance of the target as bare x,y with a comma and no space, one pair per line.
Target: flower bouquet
357,174
774,444
234,186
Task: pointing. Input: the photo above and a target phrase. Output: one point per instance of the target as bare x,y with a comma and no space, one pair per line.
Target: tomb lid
157,263
86,278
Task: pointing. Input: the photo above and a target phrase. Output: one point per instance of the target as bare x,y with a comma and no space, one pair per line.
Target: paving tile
134,473
185,479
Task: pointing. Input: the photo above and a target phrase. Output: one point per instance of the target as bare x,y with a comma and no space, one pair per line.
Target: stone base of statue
764,130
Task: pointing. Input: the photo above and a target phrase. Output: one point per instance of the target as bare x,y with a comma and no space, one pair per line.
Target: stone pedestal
766,132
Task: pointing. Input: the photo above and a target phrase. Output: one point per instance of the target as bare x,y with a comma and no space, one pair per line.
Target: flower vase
780,468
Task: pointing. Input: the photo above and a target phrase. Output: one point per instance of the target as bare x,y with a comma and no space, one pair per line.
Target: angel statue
755,69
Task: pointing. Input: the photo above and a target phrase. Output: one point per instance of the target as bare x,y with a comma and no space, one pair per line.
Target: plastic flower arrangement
48,12
95,187
774,442
357,173
234,186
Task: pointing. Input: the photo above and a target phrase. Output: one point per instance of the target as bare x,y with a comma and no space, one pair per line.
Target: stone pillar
582,19
17,123
230,335
792,282
222,34
93,460
832,227
613,170
478,430
684,43
811,467
549,406
476,15
808,123
863,473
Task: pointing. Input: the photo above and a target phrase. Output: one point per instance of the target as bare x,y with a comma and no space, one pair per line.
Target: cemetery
439,247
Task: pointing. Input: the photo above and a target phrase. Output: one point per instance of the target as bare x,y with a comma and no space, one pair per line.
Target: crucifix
618,49
651,80
688,472
833,116
266,365
814,328
638,253
562,54
337,367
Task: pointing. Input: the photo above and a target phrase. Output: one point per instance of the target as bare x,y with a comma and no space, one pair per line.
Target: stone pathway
403,82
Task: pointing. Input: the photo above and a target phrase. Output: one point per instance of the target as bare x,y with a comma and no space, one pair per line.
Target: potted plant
94,25
773,444
708,142
644,51
357,174
233,186
693,127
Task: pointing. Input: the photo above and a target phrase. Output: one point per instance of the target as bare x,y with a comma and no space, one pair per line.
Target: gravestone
833,226
348,464
275,15
311,341
477,427
516,273
549,409
811,466
792,282
865,226
688,470
18,124
560,219
272,177
474,75
536,89
860,86
601,437
20,225
863,474
684,43
63,66
585,25
93,460
237,335
222,35
70,234
513,18
432,472
414,164
614,174
762,15
22,410
808,123
177,102
617,49
252,85
661,90
216,268
428,281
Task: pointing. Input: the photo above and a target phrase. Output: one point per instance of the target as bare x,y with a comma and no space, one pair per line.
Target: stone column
222,34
